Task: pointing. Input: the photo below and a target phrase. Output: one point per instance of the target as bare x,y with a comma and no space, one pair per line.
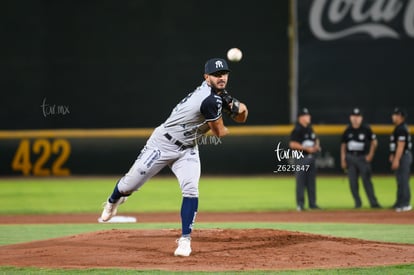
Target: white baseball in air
234,54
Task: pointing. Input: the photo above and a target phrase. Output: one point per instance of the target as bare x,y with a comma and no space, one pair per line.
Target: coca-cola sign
376,18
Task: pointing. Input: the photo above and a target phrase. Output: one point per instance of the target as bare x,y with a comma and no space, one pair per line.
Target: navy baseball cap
303,111
356,112
399,111
216,65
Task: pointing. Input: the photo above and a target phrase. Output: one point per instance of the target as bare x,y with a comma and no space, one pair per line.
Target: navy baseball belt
177,142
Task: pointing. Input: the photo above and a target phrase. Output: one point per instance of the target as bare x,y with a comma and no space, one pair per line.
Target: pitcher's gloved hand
231,105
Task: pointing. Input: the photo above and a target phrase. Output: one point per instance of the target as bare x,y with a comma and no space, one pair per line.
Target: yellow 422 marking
44,148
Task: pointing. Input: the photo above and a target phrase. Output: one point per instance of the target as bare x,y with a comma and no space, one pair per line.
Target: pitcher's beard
219,90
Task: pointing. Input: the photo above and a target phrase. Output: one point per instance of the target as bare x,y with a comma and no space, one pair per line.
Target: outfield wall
122,64
248,150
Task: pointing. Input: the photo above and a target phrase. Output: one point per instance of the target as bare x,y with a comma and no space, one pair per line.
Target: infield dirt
213,249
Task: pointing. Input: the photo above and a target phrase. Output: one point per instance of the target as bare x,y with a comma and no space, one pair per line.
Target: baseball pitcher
173,143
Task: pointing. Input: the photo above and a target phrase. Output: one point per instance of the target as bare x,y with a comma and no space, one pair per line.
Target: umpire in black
357,151
303,138
401,159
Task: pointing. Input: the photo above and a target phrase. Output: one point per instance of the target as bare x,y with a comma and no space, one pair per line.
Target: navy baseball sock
189,209
116,195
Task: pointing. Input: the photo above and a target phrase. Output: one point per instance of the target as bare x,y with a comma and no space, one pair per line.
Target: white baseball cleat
184,247
404,208
110,209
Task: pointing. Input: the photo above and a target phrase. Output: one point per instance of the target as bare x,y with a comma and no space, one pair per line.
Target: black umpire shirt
303,135
358,140
400,133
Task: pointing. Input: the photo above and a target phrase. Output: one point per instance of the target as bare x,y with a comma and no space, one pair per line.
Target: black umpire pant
358,166
306,180
403,180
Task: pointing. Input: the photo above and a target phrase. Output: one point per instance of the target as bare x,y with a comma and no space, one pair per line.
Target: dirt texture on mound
213,249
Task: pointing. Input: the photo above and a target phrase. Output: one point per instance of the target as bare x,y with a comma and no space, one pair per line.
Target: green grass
85,195
34,196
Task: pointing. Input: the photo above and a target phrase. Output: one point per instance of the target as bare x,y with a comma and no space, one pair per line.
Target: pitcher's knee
189,190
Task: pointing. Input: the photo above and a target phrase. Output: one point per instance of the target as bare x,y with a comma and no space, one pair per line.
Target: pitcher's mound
213,250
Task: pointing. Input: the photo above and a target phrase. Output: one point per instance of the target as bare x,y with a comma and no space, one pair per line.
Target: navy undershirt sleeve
211,107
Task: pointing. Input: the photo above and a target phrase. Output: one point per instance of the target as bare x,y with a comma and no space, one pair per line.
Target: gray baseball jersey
187,121
189,118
